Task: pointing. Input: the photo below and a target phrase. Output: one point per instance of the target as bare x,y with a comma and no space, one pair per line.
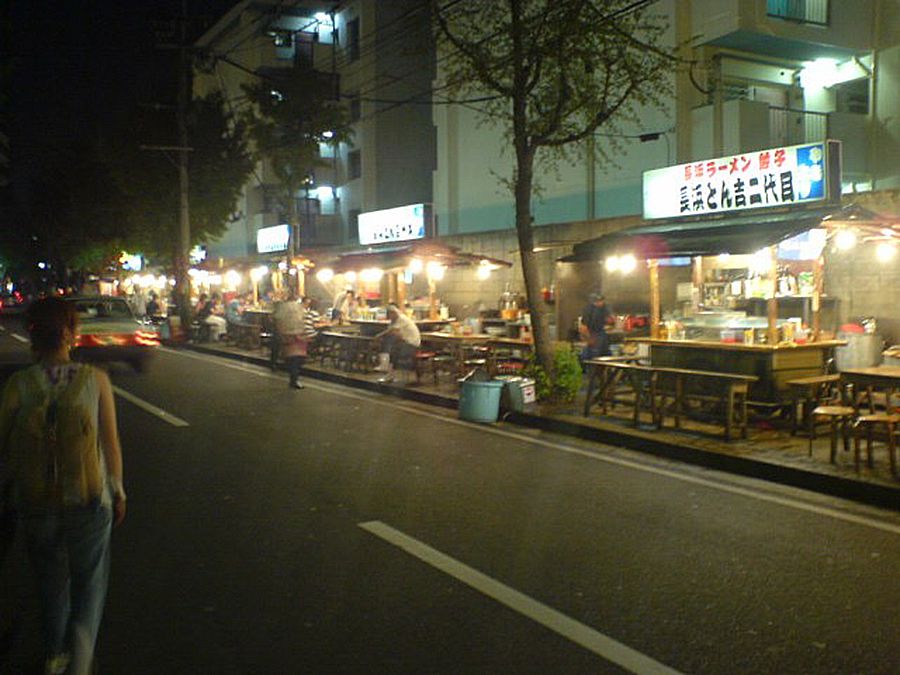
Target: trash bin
517,392
480,401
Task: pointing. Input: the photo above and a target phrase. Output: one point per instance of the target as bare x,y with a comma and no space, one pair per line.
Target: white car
109,331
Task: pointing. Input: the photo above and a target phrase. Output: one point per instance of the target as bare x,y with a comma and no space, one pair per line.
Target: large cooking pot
861,351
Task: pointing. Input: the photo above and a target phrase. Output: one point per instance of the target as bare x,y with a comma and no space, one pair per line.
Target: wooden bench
663,391
675,389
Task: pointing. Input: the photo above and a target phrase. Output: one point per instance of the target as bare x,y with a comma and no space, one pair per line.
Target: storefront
734,251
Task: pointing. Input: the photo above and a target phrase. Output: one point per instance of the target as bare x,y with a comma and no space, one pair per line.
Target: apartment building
379,56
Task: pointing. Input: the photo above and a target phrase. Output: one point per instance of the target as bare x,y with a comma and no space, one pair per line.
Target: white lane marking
150,408
592,640
20,338
787,502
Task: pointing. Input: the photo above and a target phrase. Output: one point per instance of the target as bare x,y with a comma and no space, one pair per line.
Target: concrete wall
865,287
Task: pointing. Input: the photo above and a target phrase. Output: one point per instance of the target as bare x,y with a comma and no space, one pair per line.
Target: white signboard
797,174
400,224
273,239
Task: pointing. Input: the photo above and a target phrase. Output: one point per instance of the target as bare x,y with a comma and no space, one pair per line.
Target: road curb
871,494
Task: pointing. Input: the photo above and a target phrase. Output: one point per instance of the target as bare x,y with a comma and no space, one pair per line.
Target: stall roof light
325,275
627,263
886,251
845,240
416,265
232,278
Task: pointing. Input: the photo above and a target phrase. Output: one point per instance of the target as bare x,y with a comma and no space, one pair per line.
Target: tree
291,114
76,213
554,71
220,164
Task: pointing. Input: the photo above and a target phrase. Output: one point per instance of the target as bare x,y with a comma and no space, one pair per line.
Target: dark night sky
80,63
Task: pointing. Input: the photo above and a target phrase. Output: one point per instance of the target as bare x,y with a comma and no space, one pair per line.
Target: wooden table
863,383
376,326
663,391
773,365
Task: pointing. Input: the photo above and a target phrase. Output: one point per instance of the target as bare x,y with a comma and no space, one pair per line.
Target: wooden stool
809,393
839,417
425,362
869,422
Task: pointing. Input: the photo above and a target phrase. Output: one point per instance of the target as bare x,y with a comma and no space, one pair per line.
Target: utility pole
182,278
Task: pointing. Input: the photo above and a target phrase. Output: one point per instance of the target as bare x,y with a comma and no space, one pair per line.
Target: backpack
55,456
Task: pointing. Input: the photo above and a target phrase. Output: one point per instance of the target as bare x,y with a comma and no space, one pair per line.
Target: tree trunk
540,316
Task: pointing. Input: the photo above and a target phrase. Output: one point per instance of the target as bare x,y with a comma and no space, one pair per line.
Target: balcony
796,30
802,11
755,125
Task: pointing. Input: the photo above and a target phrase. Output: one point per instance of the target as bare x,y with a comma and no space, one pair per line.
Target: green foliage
562,384
219,164
288,120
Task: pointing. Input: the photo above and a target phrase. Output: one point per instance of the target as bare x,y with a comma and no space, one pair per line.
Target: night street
329,530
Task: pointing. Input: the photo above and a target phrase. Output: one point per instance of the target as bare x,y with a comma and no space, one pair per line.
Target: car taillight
146,338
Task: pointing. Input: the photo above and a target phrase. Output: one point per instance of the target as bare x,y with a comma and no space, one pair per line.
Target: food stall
734,250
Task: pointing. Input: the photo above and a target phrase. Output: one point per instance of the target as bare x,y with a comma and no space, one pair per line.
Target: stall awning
399,256
734,235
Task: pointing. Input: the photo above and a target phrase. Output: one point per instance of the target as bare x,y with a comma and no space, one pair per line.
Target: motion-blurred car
109,331
12,303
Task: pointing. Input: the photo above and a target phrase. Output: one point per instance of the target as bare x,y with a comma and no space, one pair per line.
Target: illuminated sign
273,239
197,254
132,262
792,175
400,224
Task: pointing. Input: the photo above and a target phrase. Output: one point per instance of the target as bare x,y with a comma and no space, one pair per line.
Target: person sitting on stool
404,340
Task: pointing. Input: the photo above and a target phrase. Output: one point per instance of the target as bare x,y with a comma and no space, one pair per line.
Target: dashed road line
20,338
552,619
150,408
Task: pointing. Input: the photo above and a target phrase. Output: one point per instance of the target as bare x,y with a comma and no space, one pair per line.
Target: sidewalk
769,454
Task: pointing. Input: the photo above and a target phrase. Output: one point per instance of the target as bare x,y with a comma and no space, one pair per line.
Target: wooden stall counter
773,365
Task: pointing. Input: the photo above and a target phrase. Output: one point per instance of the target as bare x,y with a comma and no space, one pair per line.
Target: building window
354,164
353,40
353,224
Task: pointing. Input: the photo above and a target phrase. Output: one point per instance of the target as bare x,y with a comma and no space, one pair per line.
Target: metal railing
788,126
801,11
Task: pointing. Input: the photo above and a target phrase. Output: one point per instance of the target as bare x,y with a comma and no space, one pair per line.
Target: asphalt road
330,530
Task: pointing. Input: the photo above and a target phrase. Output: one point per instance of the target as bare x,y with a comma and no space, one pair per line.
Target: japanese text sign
793,175
399,224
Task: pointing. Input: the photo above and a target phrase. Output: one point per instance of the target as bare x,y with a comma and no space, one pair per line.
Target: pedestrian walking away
290,322
61,458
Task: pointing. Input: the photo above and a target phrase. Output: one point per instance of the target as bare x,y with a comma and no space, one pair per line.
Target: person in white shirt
404,338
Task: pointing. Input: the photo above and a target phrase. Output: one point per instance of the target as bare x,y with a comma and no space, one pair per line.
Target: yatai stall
403,264
732,255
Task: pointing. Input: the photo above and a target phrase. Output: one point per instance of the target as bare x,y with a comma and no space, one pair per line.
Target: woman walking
60,452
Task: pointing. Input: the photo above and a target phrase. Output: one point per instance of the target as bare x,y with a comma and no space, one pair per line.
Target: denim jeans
69,552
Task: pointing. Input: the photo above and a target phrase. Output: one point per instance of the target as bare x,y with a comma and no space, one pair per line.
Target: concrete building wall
866,288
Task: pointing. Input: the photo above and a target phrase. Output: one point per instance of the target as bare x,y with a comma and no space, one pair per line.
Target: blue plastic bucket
480,401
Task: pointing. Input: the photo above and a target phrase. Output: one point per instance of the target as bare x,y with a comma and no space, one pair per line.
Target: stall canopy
735,235
399,257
